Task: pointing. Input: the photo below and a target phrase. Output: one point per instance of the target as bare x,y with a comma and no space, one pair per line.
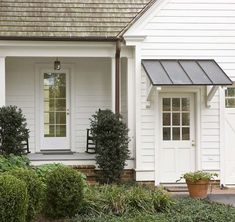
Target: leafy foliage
64,193
13,130
111,136
35,191
43,170
199,175
183,210
120,200
13,199
11,161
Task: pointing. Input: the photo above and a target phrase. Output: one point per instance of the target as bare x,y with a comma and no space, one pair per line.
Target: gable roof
68,19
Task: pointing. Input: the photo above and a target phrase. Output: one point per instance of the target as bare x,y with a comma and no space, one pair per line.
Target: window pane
166,104
60,130
49,130
175,119
185,104
60,118
230,103
60,104
176,133
230,92
185,119
166,119
185,133
166,133
176,104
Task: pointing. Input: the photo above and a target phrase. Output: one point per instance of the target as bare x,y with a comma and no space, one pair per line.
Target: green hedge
35,190
64,194
13,199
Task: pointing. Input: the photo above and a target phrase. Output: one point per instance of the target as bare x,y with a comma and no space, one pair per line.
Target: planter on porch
198,183
198,189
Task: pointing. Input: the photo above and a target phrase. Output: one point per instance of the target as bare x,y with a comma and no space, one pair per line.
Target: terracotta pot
198,189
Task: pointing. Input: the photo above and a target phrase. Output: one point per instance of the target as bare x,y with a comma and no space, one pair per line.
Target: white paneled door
54,118
177,136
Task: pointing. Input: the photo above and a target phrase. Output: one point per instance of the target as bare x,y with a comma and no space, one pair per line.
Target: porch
90,85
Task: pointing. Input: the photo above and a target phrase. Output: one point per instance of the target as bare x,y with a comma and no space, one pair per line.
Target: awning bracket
210,94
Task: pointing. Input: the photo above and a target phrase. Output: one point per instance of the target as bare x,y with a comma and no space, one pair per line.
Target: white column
138,105
131,103
2,82
113,83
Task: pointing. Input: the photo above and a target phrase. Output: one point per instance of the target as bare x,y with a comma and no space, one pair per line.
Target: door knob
193,143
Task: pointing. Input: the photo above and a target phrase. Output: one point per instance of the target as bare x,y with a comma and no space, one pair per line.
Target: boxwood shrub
13,199
64,193
35,191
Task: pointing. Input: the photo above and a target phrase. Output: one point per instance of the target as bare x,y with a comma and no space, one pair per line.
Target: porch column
2,82
130,103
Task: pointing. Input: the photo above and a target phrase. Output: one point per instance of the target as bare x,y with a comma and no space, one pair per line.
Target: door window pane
185,119
166,119
54,104
185,104
166,133
176,104
176,133
175,119
185,133
166,104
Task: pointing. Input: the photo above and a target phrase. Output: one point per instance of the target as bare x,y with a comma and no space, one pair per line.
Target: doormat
176,189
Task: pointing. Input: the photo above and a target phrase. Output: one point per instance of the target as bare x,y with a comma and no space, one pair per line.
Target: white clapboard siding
190,29
92,91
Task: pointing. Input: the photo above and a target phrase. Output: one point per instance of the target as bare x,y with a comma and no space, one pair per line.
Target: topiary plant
111,136
13,130
13,199
35,190
64,193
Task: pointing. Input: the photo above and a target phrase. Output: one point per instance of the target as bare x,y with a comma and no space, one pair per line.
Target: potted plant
198,183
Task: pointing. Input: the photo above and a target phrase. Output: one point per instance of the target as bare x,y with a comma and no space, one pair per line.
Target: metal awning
185,72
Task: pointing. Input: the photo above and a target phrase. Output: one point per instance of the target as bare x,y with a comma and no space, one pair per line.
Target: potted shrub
198,183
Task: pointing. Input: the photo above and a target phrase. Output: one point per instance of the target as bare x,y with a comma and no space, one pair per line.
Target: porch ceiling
185,72
68,19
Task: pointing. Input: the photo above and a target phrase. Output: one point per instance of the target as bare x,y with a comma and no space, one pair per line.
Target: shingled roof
68,19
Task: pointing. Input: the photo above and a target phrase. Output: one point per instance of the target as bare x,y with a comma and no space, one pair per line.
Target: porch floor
60,156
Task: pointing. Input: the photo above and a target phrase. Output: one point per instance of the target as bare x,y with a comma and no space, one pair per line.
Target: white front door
177,136
54,110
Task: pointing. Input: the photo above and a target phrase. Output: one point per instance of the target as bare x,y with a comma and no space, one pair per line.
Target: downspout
117,76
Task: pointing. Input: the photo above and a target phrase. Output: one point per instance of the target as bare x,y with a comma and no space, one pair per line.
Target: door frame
197,92
39,68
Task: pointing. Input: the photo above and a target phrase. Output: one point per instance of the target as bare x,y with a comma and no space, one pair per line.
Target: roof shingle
68,18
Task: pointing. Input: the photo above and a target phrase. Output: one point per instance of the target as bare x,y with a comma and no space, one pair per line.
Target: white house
166,65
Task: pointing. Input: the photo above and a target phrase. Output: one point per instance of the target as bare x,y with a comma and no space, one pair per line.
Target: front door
177,140
54,117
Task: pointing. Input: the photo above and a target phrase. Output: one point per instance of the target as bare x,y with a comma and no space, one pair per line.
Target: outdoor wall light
57,64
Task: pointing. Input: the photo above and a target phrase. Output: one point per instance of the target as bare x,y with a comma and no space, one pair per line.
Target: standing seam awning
185,72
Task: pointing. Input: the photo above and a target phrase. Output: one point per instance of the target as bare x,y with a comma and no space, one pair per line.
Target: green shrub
35,191
120,200
10,162
13,130
13,199
43,170
64,193
111,136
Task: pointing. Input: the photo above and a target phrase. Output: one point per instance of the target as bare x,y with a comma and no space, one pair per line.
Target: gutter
48,38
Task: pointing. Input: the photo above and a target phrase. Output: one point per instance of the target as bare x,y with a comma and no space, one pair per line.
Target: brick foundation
92,173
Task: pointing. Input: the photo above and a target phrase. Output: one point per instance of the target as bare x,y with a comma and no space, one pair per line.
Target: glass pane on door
176,119
54,87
